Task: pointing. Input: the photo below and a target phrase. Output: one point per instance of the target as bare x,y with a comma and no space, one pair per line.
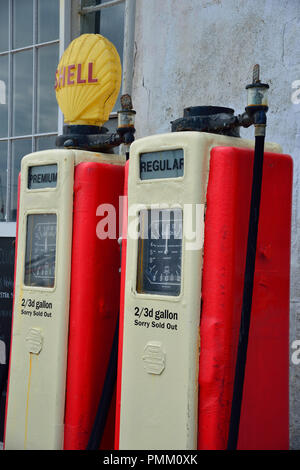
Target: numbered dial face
160,249
40,250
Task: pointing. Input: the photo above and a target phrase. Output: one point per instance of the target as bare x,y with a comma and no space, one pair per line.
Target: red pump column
93,308
265,415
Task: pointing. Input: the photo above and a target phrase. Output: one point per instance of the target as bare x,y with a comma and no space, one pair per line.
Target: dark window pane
90,22
22,23
22,93
4,25
108,22
112,28
3,96
112,25
3,178
20,148
48,20
46,143
47,109
92,3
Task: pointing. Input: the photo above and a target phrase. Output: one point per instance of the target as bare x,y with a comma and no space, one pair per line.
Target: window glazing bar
10,104
65,10
33,137
29,136
26,48
128,51
87,10
34,74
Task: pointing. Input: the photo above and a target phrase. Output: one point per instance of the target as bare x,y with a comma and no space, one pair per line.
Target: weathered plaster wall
201,52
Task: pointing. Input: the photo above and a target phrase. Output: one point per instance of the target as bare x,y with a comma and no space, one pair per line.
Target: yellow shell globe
88,80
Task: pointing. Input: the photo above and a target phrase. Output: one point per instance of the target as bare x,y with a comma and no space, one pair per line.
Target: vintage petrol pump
66,300
180,370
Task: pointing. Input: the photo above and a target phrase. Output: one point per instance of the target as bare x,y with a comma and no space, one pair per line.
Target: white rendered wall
201,52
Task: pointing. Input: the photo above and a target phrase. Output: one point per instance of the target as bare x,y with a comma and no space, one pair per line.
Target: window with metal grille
114,19
29,53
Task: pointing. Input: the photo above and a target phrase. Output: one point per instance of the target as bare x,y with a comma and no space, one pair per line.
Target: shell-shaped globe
88,80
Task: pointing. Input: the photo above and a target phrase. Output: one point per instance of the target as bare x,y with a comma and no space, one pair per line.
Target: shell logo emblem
88,80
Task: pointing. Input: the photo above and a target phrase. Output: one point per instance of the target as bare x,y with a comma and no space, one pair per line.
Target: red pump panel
265,412
15,268
94,301
122,296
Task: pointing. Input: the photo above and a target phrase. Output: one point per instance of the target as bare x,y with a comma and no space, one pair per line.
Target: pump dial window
40,250
160,252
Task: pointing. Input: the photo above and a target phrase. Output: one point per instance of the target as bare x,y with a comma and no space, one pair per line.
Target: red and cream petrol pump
183,269
66,298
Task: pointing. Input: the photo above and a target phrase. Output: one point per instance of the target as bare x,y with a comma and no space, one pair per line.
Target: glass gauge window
40,250
160,252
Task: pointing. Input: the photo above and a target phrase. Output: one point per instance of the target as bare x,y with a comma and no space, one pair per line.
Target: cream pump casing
36,389
159,371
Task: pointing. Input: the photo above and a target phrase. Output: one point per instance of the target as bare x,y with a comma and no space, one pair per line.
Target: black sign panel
7,258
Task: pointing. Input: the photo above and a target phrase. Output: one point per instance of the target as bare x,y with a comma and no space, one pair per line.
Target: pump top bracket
220,120
98,139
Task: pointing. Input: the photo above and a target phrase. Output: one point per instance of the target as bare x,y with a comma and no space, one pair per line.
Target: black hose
106,397
4,371
247,294
3,378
